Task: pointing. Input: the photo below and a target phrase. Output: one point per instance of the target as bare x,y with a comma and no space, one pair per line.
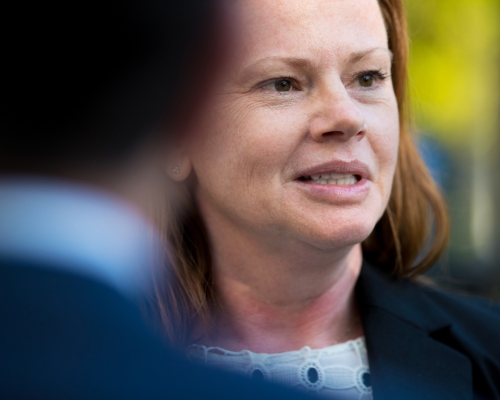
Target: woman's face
302,140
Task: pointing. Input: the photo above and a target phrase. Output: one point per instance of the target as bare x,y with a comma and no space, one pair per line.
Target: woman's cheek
383,122
237,148
385,146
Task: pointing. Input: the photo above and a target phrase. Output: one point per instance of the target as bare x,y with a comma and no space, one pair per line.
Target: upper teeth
334,179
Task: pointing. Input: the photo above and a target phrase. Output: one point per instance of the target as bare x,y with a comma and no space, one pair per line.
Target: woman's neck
281,298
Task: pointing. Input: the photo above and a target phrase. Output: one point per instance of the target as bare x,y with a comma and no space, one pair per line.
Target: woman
308,211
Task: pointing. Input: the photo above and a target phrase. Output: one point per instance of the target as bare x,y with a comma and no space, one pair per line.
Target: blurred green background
455,98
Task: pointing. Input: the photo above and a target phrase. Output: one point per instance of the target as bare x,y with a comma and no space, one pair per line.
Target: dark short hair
88,80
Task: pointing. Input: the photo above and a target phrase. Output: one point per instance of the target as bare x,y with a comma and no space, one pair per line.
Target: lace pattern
340,371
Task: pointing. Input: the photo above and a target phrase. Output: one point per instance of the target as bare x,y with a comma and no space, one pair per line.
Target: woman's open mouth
336,181
332,179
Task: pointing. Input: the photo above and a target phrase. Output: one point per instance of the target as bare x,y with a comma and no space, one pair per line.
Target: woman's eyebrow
359,55
303,63
295,62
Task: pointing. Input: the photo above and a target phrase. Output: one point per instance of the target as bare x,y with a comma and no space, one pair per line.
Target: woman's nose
337,117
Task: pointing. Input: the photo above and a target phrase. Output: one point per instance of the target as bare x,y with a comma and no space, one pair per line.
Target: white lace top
340,371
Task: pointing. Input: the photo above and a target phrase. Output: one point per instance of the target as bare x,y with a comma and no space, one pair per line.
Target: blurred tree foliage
454,68
455,96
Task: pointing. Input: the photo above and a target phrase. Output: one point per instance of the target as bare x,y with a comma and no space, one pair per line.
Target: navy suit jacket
426,344
64,336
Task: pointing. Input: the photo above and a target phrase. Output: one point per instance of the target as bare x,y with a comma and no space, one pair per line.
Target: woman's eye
283,85
369,79
366,80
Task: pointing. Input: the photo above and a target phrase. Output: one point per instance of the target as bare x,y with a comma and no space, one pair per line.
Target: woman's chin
339,243
342,237
333,228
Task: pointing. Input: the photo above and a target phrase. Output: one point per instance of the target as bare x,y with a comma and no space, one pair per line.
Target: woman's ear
178,165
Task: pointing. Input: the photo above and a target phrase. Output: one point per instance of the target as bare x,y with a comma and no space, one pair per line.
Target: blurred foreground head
89,83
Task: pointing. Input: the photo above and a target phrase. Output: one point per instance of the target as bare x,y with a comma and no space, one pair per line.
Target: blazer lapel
405,361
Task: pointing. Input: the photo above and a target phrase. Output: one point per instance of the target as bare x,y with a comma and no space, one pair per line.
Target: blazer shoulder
434,321
468,312
427,306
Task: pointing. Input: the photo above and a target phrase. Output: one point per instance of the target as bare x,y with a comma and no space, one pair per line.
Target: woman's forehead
327,27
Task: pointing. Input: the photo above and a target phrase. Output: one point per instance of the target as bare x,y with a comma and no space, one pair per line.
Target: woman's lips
337,181
344,193
355,168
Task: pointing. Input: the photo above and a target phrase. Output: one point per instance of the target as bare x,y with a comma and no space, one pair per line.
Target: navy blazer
64,336
426,344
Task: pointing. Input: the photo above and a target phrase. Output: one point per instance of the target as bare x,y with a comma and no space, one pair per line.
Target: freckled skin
281,254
